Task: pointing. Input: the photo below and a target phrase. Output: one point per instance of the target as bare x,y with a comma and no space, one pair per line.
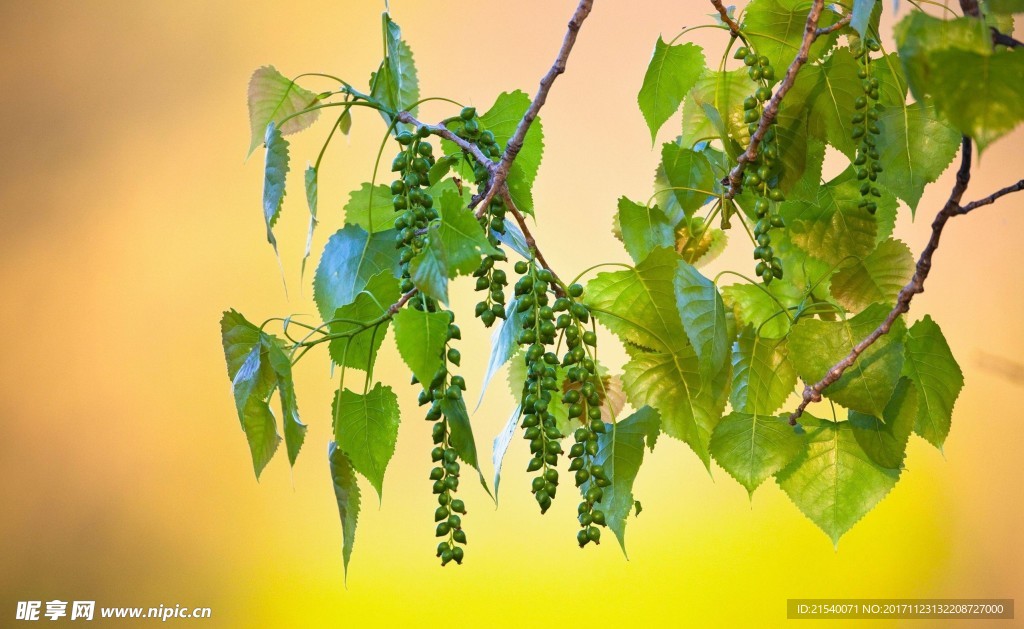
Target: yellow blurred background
131,220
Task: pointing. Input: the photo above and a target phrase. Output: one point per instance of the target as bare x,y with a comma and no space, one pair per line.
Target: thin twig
1002,39
530,241
1017,187
515,143
812,392
828,30
727,19
444,132
771,110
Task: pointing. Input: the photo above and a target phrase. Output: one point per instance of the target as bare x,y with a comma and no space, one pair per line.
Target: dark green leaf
294,429
350,258
311,201
864,15
703,315
274,173
346,493
461,434
395,84
621,452
885,440
360,349
689,172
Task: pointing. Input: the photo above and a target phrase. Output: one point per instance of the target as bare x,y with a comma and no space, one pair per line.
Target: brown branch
828,30
446,133
771,110
973,205
500,174
1002,39
727,19
530,242
812,392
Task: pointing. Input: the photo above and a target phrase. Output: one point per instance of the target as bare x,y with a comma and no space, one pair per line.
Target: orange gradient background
131,220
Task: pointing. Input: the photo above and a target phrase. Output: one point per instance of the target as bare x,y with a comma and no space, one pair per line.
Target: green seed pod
467,113
594,534
581,477
582,538
442,529
460,537
440,514
598,516
436,474
535,464
741,53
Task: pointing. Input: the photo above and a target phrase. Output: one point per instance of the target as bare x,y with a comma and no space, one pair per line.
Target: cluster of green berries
583,403
532,291
412,203
865,128
444,389
469,129
763,173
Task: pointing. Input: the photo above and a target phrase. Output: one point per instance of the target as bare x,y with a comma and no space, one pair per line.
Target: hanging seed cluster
866,129
764,172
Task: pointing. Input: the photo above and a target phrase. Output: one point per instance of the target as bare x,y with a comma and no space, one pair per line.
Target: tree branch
727,19
812,392
444,132
771,110
515,143
1017,187
1002,39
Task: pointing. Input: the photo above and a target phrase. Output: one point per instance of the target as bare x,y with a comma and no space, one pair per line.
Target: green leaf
833,482
294,429
311,201
644,228
253,380
421,338
919,36
274,173
689,404
776,28
690,173
672,72
752,304
835,88
815,346
981,95
753,447
885,440
639,305
876,278
502,119
621,452
346,493
370,208
350,258
937,376
703,315
503,343
366,428
832,228
360,350
763,376
272,98
1006,6
395,84
720,92
865,14
455,244
916,147
501,443
461,434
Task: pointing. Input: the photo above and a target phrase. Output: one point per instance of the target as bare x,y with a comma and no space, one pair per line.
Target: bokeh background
130,220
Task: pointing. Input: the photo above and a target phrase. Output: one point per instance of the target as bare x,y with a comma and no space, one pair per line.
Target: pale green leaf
865,14
370,208
311,202
272,98
689,174
501,444
753,447
762,307
833,482
643,228
776,28
763,376
876,278
672,72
